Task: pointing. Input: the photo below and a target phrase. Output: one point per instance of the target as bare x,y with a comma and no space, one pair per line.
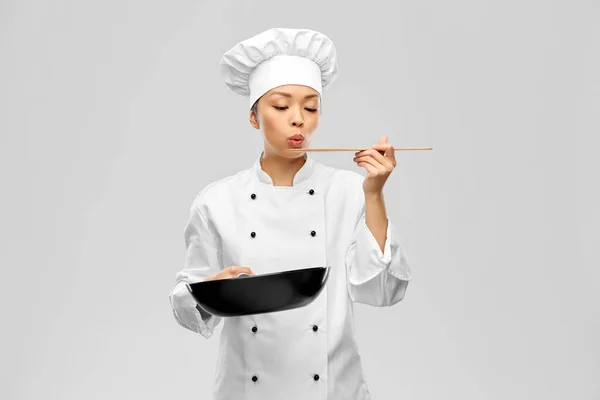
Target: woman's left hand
379,163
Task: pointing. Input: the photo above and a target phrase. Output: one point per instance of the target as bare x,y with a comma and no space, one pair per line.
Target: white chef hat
277,57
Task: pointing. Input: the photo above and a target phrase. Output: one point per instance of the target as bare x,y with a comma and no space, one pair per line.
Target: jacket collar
301,176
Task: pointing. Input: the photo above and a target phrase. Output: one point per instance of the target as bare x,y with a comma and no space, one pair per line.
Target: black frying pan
246,295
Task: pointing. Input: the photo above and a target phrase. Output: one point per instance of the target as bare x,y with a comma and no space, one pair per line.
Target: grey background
113,116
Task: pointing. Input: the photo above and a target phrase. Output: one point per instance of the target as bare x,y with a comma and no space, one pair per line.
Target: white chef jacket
309,352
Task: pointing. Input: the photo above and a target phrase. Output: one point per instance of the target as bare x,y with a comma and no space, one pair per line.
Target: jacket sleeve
374,277
201,260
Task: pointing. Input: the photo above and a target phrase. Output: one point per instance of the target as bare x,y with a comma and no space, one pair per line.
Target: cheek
272,127
312,122
271,123
269,119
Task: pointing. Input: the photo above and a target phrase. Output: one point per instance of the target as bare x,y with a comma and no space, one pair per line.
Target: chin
292,154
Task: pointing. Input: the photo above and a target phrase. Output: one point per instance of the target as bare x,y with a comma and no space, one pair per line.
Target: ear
254,120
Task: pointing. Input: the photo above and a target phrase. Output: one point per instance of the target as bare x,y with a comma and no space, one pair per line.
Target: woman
290,211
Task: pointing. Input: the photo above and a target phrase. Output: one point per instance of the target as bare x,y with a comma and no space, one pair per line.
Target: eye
312,110
281,108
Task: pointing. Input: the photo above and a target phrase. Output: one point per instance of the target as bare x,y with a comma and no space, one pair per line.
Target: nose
297,119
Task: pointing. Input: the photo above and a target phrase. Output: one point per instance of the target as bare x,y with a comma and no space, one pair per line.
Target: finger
234,270
388,150
370,160
384,159
233,273
368,167
216,276
243,270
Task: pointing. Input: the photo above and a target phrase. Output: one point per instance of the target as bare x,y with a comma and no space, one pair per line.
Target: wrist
373,195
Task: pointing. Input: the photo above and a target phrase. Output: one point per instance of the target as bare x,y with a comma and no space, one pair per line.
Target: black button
254,378
311,191
253,234
316,377
313,233
315,328
253,196
254,329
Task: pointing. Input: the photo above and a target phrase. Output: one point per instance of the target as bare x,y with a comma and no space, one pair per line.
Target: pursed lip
296,137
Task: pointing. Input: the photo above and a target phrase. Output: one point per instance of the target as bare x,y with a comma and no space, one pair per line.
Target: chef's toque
277,57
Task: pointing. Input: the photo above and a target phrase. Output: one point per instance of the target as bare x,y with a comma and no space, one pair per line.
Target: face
285,111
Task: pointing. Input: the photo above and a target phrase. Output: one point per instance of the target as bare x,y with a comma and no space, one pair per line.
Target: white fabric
302,57
285,353
283,70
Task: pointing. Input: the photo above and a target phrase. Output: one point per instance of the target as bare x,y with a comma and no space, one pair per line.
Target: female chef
289,210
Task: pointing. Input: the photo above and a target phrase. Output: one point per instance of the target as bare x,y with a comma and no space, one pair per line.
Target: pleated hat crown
279,56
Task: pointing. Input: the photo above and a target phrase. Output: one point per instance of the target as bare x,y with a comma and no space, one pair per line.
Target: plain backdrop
113,116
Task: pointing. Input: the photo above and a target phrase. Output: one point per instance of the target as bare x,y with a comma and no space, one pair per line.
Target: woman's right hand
230,272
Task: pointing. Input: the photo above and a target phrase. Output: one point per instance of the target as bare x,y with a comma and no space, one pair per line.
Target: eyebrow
289,95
